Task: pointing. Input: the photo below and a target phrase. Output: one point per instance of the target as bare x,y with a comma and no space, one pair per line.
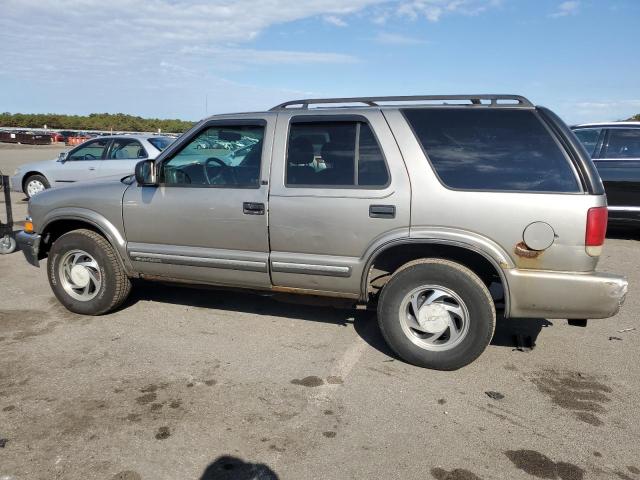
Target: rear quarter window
492,149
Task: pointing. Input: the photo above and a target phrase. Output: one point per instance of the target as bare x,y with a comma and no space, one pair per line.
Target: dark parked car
615,149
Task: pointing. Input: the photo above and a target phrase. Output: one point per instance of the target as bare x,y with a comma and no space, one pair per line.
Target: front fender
112,233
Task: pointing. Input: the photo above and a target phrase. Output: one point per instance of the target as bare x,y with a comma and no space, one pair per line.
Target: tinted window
126,149
93,150
340,154
492,149
623,143
160,142
219,156
589,138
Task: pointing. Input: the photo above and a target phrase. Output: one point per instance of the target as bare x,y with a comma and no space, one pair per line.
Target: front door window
219,156
93,150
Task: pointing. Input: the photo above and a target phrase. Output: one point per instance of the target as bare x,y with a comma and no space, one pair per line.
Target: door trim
199,257
311,269
624,209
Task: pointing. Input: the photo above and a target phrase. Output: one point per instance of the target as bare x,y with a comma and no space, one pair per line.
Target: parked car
615,150
436,214
105,156
56,137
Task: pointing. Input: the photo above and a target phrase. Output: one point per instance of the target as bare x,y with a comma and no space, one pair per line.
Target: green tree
93,121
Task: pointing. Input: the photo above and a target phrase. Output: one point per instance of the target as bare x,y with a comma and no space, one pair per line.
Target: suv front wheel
85,274
35,184
436,313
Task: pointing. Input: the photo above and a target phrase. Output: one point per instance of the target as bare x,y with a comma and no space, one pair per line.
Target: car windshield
160,142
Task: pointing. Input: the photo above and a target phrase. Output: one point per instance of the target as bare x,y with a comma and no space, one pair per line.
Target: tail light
596,230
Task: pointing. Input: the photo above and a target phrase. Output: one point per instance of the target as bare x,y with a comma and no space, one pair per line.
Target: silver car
441,212
95,158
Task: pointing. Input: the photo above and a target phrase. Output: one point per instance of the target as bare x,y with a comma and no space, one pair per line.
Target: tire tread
121,281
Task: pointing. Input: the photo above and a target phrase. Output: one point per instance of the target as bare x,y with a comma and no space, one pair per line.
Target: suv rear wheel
436,314
85,274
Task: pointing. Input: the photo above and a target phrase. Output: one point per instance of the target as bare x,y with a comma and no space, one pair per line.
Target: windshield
160,142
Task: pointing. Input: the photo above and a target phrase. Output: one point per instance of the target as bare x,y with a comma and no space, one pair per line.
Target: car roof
137,136
607,125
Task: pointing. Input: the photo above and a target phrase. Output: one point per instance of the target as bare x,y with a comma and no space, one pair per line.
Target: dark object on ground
615,338
3,442
233,468
523,343
494,395
577,323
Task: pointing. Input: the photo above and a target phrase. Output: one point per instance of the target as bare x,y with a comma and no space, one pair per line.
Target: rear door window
623,143
334,154
160,142
492,149
126,149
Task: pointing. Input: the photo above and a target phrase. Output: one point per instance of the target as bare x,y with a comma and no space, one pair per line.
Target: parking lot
211,384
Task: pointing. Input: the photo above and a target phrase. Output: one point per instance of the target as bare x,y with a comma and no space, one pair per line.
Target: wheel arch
31,173
399,253
57,224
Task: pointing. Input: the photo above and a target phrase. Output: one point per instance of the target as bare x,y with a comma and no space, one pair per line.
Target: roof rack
375,101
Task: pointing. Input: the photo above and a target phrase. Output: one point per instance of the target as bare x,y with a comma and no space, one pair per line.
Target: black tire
454,277
115,285
41,178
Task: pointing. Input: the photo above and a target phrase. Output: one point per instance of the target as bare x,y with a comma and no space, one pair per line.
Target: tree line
93,121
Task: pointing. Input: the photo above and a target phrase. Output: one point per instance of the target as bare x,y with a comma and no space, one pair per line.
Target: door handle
251,208
382,211
92,168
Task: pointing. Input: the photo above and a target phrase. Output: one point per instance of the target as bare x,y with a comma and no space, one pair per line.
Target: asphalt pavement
209,384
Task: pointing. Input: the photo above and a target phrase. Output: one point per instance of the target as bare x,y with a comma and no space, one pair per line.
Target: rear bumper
29,243
546,294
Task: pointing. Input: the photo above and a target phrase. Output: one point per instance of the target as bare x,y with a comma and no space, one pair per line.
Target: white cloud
434,10
387,38
100,54
566,8
335,21
598,110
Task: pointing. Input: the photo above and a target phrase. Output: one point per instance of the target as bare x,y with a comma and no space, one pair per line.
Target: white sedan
95,158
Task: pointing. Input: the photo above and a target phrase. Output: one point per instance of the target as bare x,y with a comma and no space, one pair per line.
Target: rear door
619,167
82,163
122,157
207,220
339,189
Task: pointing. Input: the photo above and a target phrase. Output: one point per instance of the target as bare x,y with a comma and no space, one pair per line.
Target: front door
207,219
82,163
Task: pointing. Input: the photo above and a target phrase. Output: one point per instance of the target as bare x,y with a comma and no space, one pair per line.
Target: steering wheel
88,156
220,163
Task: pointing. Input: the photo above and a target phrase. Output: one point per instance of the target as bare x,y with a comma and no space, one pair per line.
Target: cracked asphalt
212,384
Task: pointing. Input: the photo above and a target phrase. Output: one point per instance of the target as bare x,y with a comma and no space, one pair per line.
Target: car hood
41,166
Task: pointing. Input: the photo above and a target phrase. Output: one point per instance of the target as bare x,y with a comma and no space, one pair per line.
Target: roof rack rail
375,101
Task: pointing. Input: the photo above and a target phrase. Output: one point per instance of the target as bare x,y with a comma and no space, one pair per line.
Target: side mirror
146,173
63,157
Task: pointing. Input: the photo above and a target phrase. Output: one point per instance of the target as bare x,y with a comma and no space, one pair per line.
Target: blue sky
184,59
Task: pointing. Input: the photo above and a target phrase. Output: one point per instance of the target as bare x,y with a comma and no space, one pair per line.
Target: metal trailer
7,242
